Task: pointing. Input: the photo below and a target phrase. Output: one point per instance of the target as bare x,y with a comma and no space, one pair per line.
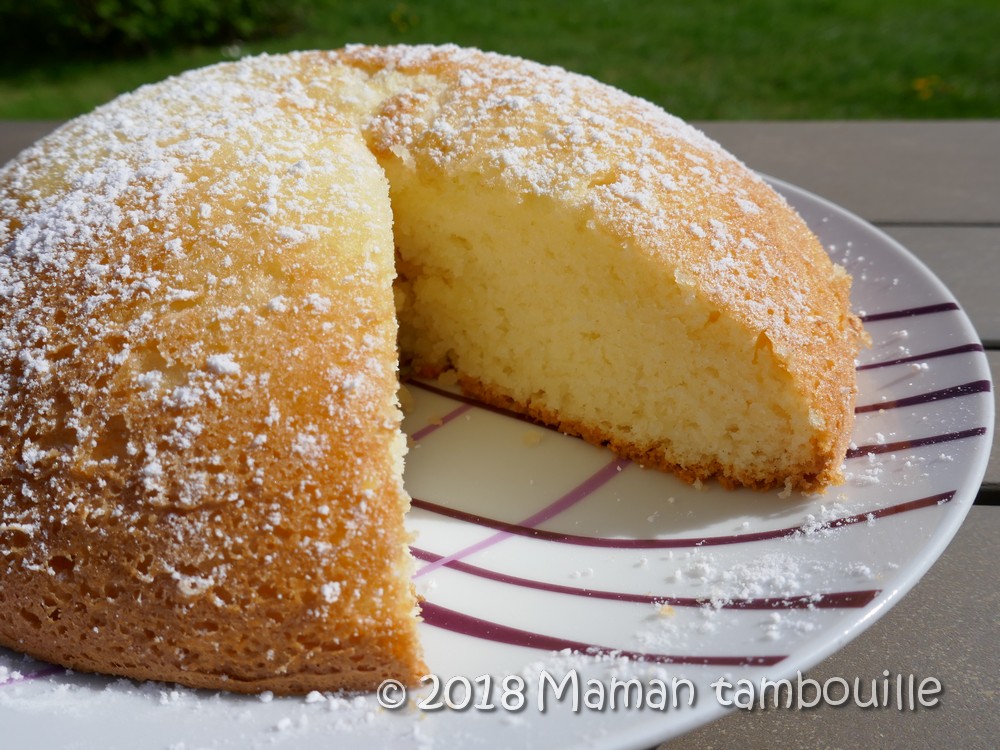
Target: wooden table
935,187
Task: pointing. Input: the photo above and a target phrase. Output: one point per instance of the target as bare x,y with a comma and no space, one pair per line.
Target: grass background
708,59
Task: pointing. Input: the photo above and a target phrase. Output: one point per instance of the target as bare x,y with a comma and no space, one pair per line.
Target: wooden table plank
912,171
16,135
967,260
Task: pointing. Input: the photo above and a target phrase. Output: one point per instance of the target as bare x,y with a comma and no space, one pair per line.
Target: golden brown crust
200,470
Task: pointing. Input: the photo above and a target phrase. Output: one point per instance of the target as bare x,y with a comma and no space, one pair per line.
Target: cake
199,350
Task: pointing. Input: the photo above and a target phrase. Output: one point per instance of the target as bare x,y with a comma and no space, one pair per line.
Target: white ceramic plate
532,542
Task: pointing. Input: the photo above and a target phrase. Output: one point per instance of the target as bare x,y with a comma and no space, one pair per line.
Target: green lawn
708,59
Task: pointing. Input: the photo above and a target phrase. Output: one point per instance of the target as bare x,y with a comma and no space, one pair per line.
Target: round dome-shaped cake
201,454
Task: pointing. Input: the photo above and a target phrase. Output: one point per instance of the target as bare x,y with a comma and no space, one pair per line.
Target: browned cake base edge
352,671
813,478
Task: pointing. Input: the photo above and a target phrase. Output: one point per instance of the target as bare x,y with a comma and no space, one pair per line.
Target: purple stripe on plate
910,312
575,495
706,541
453,414
964,348
469,401
955,391
903,445
832,600
458,622
592,483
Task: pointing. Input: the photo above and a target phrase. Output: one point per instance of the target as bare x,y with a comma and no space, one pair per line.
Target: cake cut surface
201,459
